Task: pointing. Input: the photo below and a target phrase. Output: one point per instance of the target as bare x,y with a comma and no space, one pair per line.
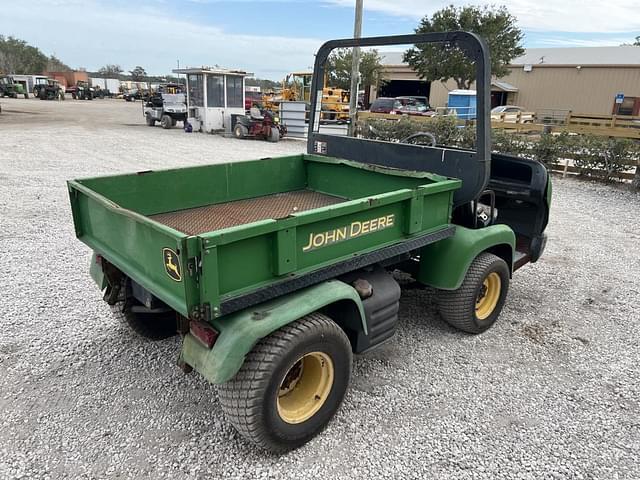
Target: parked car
511,114
384,105
415,99
132,95
507,109
414,108
401,106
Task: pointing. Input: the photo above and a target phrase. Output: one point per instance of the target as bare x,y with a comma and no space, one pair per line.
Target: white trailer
213,96
29,81
111,84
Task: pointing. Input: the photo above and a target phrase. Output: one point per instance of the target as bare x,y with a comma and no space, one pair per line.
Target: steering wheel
415,139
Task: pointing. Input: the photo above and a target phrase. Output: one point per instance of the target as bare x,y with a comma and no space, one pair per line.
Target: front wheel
240,131
166,122
290,385
476,305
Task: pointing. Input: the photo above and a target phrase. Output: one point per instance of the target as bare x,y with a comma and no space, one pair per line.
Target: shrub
445,129
598,157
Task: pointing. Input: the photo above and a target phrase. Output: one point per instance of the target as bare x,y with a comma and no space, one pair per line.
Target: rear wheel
35,93
476,305
166,122
150,120
240,131
274,134
154,326
290,385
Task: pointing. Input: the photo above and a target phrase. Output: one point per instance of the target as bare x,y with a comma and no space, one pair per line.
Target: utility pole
355,70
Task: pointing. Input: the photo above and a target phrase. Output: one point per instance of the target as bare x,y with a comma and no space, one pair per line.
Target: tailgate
157,257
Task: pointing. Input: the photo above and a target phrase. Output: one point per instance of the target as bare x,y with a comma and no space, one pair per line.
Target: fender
444,264
240,331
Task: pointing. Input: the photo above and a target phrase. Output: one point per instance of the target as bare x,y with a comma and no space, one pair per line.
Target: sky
272,37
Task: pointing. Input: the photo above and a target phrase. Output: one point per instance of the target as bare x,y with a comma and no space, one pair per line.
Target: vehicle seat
255,114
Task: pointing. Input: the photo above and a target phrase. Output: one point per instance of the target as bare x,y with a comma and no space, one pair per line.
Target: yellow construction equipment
296,86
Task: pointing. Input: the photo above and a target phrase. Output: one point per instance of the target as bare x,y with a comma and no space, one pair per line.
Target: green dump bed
213,239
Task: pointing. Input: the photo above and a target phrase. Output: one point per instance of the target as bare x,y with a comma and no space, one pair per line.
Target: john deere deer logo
172,264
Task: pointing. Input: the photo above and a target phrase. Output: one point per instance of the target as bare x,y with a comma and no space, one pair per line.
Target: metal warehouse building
581,79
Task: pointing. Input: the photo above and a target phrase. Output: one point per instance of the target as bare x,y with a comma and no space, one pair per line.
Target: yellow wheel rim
305,387
488,297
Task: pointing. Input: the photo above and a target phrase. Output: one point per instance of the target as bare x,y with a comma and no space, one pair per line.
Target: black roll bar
476,50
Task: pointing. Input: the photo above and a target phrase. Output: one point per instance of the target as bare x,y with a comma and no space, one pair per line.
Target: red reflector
98,259
203,332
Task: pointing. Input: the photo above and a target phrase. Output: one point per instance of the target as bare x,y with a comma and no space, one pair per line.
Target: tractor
50,91
81,91
9,88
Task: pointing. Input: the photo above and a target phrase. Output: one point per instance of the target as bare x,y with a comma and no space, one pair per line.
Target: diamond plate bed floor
194,221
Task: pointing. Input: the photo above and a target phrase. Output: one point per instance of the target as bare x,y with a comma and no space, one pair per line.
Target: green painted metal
240,331
382,207
444,264
152,192
133,244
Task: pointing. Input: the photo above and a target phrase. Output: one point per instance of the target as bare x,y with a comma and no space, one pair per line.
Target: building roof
392,58
213,70
625,55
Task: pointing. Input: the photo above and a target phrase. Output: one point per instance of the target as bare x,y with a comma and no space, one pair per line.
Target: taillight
204,332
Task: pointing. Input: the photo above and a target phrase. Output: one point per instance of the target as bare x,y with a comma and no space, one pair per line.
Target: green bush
444,129
600,157
509,143
605,158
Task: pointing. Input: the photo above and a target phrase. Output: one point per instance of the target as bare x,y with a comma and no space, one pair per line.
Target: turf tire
458,307
249,400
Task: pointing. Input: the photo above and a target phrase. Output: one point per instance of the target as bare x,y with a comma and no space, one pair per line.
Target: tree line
17,56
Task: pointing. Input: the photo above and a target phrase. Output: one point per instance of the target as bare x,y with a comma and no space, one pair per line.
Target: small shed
213,95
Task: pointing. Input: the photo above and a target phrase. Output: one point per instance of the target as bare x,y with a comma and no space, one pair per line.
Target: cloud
566,15
145,36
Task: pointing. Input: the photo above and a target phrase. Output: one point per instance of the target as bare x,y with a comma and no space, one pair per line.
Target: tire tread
454,305
241,397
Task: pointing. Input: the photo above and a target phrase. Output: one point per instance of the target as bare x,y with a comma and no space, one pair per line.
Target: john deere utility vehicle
275,272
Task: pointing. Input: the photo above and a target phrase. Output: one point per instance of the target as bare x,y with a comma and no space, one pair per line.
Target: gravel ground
550,392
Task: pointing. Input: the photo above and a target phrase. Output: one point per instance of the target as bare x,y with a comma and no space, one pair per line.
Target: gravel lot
550,392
